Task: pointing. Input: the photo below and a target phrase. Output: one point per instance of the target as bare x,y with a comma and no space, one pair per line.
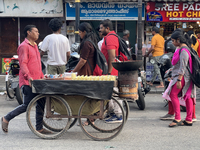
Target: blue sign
154,16
105,10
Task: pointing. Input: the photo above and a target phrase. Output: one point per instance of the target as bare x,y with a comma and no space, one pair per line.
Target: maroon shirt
29,62
87,53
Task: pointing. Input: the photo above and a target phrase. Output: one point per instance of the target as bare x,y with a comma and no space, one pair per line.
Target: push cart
66,101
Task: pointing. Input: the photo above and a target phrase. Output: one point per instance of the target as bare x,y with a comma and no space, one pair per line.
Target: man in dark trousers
30,69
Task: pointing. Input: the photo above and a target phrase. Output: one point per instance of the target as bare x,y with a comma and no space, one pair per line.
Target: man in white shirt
57,47
126,35
101,41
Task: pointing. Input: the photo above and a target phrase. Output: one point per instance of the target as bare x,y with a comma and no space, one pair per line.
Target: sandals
87,123
150,83
44,131
160,86
186,123
4,126
180,123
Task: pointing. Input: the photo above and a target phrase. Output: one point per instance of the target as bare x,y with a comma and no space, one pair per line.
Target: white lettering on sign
176,6
191,8
197,7
101,5
104,11
185,6
170,7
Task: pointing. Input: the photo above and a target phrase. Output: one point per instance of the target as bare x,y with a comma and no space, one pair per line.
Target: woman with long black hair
182,84
87,51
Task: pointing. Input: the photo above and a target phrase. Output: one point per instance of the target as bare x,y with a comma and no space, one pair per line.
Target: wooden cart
66,101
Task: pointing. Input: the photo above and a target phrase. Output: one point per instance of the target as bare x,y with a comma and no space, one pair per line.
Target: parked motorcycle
143,89
12,80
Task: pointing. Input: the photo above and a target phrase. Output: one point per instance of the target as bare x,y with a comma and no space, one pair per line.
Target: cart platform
92,89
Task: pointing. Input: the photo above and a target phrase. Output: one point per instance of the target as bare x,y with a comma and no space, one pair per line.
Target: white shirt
100,44
56,46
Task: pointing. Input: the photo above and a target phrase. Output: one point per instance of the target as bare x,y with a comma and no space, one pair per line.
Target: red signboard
172,12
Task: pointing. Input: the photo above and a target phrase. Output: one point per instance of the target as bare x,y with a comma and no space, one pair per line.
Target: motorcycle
12,80
143,89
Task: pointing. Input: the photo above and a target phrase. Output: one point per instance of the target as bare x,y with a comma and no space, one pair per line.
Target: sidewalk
155,90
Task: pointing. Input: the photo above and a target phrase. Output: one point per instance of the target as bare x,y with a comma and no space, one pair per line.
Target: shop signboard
173,12
5,64
31,8
105,10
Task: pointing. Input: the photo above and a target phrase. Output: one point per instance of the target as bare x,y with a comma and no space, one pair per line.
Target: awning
72,1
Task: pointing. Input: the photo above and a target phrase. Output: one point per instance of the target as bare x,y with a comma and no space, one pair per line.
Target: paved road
143,131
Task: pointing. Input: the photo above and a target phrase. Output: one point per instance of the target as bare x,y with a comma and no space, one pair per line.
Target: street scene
143,130
84,74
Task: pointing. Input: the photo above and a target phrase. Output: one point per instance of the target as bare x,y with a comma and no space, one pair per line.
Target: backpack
195,75
101,67
123,48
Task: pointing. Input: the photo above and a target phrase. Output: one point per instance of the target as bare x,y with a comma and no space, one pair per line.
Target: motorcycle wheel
140,102
18,94
9,90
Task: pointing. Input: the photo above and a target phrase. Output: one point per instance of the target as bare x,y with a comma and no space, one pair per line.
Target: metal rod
139,24
48,107
77,4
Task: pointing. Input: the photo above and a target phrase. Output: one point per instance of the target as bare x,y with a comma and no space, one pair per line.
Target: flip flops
4,126
44,131
151,84
186,124
180,123
160,86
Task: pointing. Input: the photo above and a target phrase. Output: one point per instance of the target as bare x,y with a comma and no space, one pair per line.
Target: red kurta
30,62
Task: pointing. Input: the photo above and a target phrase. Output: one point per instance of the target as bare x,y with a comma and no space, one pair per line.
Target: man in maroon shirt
30,69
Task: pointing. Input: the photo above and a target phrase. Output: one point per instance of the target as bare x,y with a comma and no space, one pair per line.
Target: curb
155,90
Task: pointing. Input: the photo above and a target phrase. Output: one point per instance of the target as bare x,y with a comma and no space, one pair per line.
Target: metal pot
127,65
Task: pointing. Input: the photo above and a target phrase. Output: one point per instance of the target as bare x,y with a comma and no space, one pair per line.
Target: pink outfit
30,62
176,105
174,91
175,59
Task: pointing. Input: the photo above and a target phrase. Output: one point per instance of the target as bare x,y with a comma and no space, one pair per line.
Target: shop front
169,16
15,15
124,16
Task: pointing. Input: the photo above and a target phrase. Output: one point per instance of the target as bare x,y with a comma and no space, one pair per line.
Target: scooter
12,80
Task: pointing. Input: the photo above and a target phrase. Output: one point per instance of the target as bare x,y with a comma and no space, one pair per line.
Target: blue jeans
27,97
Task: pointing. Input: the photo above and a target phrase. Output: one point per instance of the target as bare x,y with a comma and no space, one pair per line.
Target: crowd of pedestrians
58,50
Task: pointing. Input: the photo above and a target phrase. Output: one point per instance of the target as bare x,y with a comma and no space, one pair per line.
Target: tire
19,96
140,102
100,130
55,121
9,90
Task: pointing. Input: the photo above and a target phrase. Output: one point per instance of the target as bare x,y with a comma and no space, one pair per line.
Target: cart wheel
56,124
140,102
9,90
100,130
46,124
